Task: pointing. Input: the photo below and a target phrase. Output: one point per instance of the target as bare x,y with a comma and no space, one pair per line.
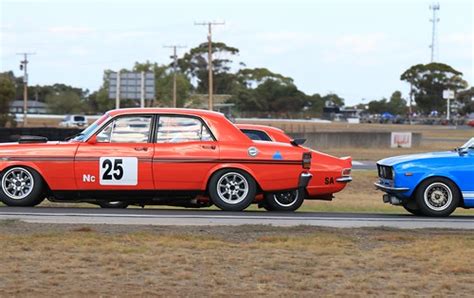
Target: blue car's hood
391,161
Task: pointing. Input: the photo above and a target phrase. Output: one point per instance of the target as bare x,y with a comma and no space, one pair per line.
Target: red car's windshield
87,133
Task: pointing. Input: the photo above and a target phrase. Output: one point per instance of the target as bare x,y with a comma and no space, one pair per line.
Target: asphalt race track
135,216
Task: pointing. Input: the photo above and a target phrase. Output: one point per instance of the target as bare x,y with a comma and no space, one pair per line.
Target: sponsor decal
118,171
277,155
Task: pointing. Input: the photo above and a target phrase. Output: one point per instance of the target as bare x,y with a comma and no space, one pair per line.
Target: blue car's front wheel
437,196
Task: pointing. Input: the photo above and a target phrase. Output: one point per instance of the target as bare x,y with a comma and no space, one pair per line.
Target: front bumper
389,189
304,180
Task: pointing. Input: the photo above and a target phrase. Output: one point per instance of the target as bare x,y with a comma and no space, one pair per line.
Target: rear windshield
256,135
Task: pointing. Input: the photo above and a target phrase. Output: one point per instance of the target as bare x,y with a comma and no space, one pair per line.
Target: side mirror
92,140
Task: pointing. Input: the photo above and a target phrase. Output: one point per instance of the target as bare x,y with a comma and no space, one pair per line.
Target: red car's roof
196,112
222,128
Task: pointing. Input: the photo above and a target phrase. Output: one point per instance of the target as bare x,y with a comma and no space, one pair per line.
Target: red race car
176,157
330,174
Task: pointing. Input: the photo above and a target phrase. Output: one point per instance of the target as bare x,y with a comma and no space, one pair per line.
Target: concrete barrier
317,140
337,139
52,133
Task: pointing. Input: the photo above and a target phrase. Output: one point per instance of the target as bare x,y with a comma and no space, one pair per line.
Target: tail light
346,172
307,160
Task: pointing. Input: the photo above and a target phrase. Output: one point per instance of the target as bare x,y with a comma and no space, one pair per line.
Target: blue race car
430,184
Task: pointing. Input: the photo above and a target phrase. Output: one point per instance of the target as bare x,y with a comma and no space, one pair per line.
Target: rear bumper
304,180
389,189
345,179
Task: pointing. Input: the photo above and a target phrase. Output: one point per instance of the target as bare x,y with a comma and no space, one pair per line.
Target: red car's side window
132,129
176,129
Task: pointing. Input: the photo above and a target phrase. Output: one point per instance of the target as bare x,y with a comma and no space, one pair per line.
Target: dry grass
232,261
374,154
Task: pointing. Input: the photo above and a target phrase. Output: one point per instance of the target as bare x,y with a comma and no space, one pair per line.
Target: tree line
253,91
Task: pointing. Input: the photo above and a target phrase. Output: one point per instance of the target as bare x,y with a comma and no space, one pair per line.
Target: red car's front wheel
21,186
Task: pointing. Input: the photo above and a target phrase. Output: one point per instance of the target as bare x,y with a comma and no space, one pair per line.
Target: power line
434,7
24,67
209,41
175,66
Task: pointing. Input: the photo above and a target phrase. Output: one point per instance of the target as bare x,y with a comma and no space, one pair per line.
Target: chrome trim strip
390,189
468,194
344,179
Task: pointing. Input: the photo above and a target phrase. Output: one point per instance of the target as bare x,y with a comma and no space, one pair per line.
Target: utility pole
142,89
175,67
117,92
209,40
410,110
434,7
24,67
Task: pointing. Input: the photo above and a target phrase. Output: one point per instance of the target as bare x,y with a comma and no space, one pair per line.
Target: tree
333,99
397,105
195,65
164,83
314,105
429,81
270,96
252,77
99,101
7,95
65,102
378,106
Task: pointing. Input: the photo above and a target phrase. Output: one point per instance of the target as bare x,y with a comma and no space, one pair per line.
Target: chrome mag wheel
438,196
232,188
286,199
17,183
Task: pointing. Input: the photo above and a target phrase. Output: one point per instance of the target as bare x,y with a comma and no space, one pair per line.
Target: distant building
34,107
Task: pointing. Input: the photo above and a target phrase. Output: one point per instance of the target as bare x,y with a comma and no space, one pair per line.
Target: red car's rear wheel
284,201
232,189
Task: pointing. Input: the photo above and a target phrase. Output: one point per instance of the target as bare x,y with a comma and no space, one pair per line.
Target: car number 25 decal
118,170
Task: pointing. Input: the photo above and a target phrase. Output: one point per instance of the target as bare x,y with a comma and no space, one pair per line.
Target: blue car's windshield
89,131
468,145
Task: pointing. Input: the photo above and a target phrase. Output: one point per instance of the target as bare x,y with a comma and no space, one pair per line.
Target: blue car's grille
385,172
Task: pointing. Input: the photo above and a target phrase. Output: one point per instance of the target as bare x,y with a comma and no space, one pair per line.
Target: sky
357,49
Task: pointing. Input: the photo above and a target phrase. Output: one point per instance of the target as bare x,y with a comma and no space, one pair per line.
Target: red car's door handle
212,147
141,148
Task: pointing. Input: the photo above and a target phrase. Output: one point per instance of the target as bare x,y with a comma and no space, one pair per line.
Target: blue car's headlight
385,172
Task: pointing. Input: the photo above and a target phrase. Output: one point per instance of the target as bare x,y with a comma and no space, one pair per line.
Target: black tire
114,204
22,187
412,207
265,206
437,197
227,183
284,201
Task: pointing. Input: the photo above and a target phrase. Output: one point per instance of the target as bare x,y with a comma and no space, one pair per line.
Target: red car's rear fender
228,166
